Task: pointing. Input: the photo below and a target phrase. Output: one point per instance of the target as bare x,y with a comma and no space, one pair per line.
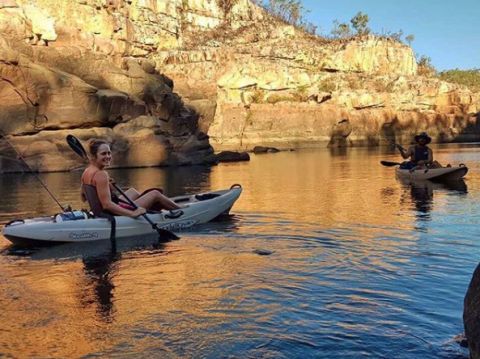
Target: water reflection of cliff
174,181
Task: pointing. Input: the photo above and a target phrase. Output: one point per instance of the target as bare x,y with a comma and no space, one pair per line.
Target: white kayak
442,174
196,209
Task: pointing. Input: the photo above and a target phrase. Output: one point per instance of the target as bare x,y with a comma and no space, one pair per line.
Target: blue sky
446,31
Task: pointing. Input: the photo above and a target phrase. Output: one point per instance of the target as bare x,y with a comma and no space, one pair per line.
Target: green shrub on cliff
341,30
425,67
360,23
327,85
409,39
289,11
469,78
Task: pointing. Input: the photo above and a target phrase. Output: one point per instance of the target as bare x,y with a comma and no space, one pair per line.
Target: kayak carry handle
20,221
236,185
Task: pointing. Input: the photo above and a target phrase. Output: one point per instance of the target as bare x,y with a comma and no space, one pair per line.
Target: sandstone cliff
82,67
269,84
113,68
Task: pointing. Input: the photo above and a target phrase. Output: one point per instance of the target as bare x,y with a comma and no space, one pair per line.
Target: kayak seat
96,208
93,201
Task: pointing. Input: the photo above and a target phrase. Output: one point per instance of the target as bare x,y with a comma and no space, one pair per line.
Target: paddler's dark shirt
421,154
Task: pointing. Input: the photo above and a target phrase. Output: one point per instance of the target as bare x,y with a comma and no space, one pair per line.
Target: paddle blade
76,146
166,235
390,164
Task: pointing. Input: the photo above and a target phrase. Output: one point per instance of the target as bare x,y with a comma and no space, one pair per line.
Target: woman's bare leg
151,198
131,193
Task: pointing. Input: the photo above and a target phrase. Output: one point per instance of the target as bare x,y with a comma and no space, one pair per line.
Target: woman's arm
102,184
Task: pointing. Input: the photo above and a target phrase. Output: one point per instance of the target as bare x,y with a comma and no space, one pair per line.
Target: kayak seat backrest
97,209
93,200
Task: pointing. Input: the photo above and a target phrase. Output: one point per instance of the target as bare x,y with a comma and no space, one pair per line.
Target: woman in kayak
420,154
97,177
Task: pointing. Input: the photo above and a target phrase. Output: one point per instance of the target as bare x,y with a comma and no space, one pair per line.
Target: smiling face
103,157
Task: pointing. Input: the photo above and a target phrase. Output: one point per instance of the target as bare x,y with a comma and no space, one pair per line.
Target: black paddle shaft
22,160
78,148
160,231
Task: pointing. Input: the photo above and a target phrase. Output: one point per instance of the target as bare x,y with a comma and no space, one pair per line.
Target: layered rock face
269,84
81,67
113,68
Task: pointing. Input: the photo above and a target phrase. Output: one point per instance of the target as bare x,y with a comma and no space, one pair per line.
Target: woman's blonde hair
94,144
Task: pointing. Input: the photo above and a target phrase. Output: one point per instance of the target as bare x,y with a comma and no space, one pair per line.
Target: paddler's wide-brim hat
423,135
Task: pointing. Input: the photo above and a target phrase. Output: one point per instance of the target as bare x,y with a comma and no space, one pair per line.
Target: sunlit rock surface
207,74
68,66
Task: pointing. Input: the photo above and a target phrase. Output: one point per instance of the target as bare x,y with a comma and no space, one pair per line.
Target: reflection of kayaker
422,195
420,154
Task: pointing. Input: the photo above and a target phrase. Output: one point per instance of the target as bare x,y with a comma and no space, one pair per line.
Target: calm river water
361,266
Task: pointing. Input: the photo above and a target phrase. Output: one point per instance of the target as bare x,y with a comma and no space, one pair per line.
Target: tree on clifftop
341,30
360,23
425,67
409,39
290,11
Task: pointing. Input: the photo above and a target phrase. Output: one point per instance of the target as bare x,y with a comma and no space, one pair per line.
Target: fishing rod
22,160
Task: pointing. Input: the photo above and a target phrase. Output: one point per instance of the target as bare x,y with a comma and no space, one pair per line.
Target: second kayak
442,174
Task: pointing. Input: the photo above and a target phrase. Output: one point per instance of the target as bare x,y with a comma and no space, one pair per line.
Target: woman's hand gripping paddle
77,147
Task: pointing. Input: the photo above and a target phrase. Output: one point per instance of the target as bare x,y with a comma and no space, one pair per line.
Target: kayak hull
443,174
196,209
